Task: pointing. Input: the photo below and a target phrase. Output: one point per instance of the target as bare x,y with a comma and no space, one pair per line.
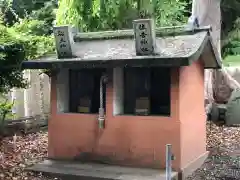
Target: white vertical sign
63,42
144,32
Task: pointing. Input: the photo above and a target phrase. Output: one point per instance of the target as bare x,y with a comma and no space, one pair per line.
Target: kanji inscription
62,41
144,36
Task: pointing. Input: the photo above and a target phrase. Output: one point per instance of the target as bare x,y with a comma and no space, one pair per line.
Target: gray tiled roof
167,47
178,50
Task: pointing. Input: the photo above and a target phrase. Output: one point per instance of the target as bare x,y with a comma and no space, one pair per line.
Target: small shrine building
118,97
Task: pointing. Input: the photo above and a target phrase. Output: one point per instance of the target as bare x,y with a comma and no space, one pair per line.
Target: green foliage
9,17
5,112
14,10
22,33
89,15
19,43
170,12
95,15
31,27
232,60
230,27
231,46
22,37
47,15
230,11
11,55
25,7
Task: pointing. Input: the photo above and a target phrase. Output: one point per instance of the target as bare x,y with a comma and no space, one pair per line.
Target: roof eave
197,55
215,52
138,61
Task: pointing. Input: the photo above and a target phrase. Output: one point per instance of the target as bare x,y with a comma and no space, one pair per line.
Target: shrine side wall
192,113
126,140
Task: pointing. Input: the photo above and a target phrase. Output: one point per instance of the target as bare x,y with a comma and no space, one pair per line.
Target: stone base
90,171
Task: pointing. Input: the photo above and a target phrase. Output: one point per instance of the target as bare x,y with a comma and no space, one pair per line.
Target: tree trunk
209,13
218,83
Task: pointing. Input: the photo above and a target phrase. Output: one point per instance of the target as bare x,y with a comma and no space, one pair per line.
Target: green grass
232,61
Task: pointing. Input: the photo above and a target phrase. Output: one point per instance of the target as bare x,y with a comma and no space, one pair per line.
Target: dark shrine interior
151,83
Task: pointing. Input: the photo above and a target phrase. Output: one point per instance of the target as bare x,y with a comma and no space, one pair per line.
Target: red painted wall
192,113
134,140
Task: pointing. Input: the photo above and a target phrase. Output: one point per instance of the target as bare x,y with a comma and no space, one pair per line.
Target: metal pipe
169,161
101,115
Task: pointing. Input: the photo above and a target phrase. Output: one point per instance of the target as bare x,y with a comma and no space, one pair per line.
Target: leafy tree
8,15
230,13
11,54
95,15
47,15
17,45
13,10
231,44
23,39
230,27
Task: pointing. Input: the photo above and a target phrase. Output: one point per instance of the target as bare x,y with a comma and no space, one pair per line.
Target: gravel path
223,162
27,150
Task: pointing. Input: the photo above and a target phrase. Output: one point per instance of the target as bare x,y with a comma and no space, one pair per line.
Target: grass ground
232,60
